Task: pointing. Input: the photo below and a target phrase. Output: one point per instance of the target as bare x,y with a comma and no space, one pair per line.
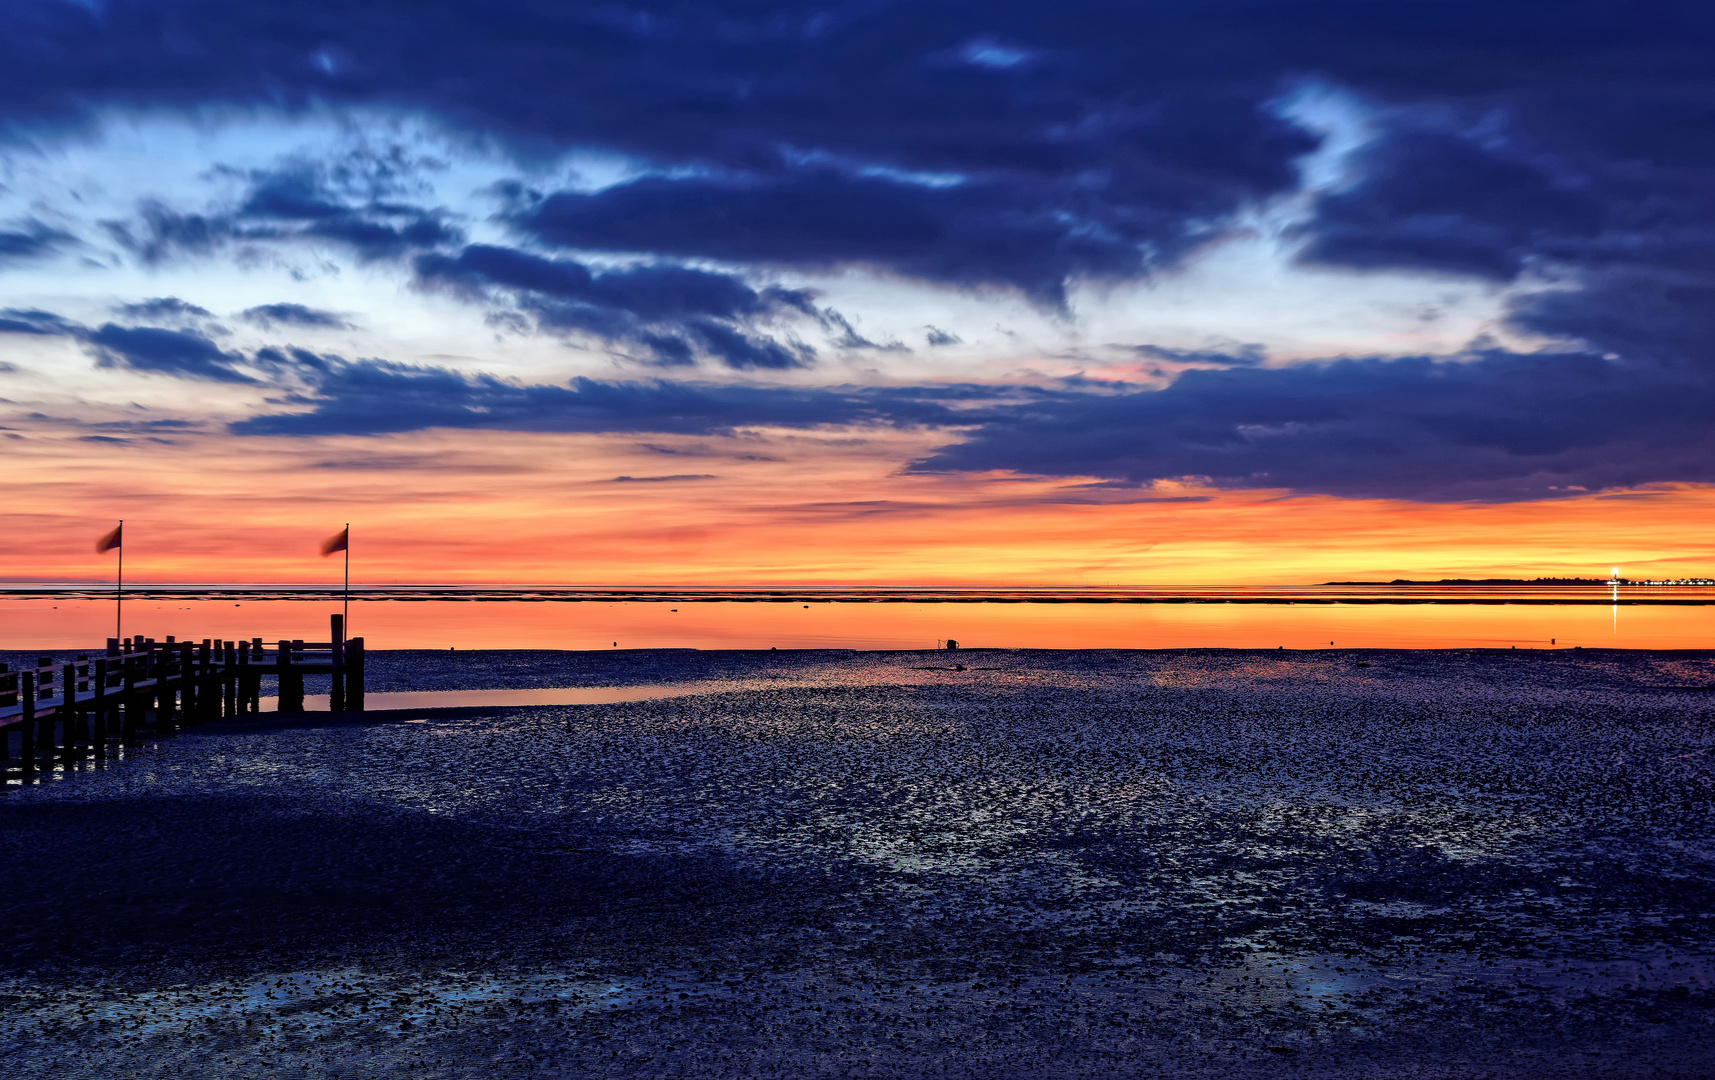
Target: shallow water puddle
562,695
609,695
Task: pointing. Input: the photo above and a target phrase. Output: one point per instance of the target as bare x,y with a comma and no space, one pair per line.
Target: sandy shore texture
1051,864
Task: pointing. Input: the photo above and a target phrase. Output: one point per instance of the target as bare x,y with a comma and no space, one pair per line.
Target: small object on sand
952,646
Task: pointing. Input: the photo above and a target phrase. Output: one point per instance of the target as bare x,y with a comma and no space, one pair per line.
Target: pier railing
144,688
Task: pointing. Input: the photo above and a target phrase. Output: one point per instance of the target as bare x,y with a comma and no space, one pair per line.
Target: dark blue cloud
1015,144
672,312
160,233
1496,427
886,135
186,353
1012,144
975,233
371,397
165,309
1231,356
650,292
21,241
1628,247
293,195
271,315
297,203
167,352
35,321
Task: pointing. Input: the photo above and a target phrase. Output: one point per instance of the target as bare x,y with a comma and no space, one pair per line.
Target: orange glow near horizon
85,624
827,507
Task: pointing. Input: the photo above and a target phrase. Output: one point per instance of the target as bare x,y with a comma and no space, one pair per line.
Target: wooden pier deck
144,688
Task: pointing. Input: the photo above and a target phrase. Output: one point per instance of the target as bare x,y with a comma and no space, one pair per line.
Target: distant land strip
1551,592
1543,582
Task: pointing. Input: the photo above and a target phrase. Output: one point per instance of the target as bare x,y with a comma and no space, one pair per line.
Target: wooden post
44,678
208,700
98,709
185,670
44,722
190,695
228,661
255,683
176,671
128,701
86,714
27,721
354,675
8,696
143,662
291,684
165,690
336,661
71,717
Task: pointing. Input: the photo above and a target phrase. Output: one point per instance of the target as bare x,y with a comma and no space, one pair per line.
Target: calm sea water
1302,619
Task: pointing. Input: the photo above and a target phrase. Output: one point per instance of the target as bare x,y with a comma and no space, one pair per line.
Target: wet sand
1051,864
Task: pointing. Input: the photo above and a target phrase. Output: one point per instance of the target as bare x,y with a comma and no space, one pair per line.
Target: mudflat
1048,864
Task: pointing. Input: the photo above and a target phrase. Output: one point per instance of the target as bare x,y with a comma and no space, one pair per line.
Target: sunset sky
917,292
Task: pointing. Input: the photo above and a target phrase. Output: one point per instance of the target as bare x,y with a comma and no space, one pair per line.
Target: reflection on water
462,699
82,624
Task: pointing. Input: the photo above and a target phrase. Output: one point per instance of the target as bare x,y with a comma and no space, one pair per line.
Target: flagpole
345,614
119,588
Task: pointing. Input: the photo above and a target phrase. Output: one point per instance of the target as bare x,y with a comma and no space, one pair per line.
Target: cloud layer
1013,149
671,313
1499,427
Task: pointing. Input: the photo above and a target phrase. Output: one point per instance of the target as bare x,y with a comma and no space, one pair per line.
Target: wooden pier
143,688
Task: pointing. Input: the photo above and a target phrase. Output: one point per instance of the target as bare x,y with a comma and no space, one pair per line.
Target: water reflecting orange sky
76,624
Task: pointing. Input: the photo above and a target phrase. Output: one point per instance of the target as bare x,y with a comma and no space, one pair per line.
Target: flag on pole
339,541
109,541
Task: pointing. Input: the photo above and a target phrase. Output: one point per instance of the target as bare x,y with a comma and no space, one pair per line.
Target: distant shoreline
1548,581
1543,582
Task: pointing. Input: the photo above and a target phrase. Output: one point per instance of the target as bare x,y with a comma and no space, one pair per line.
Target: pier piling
144,688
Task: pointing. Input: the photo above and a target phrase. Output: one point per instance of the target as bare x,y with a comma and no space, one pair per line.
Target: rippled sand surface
1184,864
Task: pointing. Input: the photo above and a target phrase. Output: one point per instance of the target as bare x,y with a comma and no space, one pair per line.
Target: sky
1224,292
